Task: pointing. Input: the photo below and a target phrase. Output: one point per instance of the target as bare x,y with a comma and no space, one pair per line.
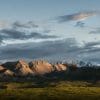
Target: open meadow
76,90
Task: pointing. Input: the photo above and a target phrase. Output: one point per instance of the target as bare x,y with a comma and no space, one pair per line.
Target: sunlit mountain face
50,29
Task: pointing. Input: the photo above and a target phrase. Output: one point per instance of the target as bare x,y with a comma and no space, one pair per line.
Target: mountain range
22,69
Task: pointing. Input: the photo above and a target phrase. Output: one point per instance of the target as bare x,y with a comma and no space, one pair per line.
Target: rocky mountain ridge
40,70
22,68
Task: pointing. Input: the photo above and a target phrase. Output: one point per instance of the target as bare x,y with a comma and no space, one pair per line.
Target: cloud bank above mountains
52,50
25,40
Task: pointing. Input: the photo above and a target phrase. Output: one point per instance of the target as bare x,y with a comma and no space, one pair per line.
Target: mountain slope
20,68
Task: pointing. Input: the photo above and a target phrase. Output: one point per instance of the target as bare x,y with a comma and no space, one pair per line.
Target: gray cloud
14,34
92,44
11,34
29,24
22,31
80,24
77,16
95,31
8,34
55,50
38,50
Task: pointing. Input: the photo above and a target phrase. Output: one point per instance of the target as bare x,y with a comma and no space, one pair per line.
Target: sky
50,29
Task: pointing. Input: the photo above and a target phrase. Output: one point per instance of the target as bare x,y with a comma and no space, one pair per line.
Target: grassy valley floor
76,90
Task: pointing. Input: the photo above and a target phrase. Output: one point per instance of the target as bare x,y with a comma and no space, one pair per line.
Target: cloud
13,35
29,24
91,52
33,44
92,44
39,50
80,24
95,31
53,50
77,16
20,33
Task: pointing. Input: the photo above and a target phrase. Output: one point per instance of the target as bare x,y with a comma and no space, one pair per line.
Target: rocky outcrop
60,67
20,68
41,67
5,72
1,68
